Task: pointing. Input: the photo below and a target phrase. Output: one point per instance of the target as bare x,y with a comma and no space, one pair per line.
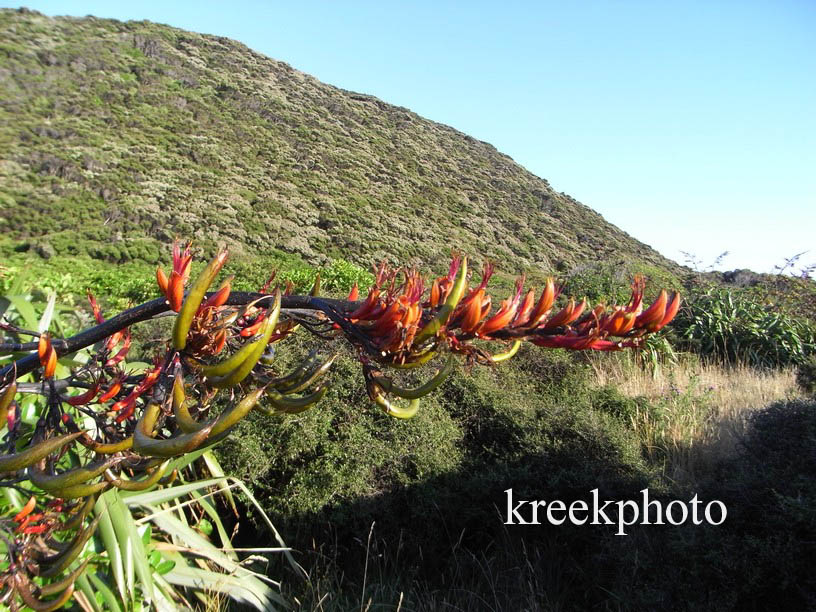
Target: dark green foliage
806,375
732,326
609,281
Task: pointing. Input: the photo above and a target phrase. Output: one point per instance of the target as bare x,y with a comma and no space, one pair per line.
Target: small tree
103,428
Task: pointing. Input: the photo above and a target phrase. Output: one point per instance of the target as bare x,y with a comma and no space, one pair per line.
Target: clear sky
690,125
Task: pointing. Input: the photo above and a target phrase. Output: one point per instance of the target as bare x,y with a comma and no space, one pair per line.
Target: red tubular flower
220,341
97,312
652,317
371,306
113,389
446,282
218,298
566,315
252,329
354,294
173,287
636,301
523,314
84,398
436,291
116,359
671,312
127,411
505,314
42,348
126,405
162,280
544,304
473,312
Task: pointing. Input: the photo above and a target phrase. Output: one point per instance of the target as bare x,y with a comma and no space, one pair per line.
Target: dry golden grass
696,412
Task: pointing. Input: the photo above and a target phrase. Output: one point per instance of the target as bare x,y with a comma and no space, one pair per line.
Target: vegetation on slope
118,136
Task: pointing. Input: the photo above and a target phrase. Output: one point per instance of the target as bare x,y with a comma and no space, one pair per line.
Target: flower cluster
222,345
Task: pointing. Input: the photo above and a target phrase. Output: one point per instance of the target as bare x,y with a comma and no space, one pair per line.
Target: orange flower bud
26,509
162,280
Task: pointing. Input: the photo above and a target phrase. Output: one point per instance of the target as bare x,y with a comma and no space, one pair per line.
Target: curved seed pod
5,401
181,412
33,454
446,310
233,361
144,483
418,362
194,298
424,389
78,517
23,587
69,478
293,405
62,584
178,445
507,354
295,376
170,479
394,411
235,414
72,552
184,419
220,428
80,490
242,371
102,448
310,378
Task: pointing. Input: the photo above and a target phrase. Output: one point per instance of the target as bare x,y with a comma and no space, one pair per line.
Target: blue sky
690,125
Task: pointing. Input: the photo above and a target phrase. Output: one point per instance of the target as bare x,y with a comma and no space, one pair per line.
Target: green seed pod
194,298
101,448
23,587
310,378
61,585
285,404
434,325
395,411
146,445
419,361
242,371
507,354
233,361
144,483
80,490
72,552
231,417
33,454
69,478
424,389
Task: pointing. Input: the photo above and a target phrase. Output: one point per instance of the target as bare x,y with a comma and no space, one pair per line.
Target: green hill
116,137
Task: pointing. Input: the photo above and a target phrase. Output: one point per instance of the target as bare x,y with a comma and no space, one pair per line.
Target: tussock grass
692,413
